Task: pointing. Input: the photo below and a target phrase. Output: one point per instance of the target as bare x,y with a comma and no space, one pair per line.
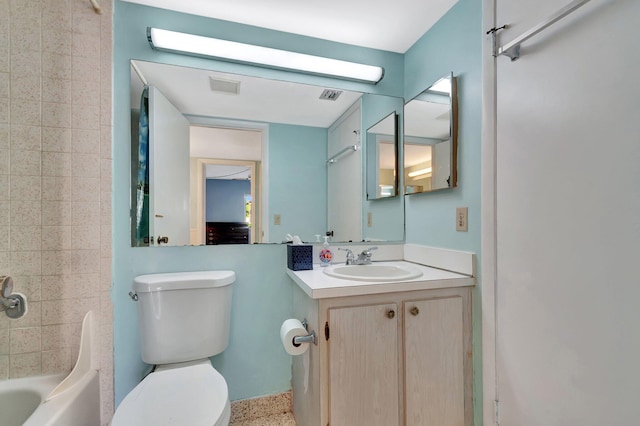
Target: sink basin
373,272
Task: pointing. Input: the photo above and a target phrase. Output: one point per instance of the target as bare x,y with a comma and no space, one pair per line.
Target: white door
344,186
568,227
169,171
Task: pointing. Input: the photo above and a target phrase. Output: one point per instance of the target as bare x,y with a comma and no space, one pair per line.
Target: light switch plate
462,224
276,219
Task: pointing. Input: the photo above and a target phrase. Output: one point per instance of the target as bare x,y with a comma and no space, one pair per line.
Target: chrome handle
414,311
133,296
391,314
163,240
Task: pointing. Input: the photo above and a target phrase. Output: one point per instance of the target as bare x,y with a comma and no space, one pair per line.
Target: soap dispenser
326,255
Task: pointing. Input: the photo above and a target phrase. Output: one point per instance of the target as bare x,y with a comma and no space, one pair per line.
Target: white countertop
318,285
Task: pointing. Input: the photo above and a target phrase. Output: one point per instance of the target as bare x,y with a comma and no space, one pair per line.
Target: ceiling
386,25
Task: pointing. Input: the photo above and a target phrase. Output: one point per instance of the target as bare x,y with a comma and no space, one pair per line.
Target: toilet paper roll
290,329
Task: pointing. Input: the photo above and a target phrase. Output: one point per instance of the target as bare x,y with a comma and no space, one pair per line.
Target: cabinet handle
391,313
414,311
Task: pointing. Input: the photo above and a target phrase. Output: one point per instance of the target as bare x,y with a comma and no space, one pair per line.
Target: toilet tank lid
182,281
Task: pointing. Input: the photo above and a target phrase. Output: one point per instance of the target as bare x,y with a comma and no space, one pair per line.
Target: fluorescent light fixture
420,172
263,56
443,85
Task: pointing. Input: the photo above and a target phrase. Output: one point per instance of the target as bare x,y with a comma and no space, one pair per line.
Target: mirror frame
453,134
372,160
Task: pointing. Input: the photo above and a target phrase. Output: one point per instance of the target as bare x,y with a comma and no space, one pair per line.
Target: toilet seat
189,393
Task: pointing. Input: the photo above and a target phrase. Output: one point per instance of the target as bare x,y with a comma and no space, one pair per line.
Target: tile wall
55,182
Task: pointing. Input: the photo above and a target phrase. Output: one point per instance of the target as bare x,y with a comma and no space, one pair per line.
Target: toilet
183,319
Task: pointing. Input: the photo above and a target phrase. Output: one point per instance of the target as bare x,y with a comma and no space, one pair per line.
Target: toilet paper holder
309,338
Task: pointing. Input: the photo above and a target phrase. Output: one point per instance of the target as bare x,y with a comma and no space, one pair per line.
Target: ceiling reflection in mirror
430,138
221,158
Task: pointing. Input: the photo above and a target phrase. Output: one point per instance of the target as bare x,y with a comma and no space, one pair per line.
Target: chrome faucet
364,258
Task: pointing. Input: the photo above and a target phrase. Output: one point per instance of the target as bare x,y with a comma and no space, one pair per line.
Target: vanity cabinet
388,359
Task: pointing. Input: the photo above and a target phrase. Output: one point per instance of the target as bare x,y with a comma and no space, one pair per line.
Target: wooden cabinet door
363,366
433,356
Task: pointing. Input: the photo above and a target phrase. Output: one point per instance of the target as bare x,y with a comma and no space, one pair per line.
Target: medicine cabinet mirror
431,138
236,159
382,158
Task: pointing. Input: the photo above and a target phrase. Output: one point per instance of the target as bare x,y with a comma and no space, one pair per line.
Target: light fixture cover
190,44
420,172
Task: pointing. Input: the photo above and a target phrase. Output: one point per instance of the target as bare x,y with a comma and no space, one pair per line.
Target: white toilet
183,319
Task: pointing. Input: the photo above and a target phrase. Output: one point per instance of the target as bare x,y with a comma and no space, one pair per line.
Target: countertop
318,285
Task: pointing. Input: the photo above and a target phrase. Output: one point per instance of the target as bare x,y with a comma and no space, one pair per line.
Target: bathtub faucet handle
7,285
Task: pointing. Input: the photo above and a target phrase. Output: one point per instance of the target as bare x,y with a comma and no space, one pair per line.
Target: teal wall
254,363
297,181
453,44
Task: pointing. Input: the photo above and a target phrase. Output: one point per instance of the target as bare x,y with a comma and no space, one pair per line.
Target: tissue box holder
299,257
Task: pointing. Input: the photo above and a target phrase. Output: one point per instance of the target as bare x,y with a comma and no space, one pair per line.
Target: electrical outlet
462,224
276,219
369,219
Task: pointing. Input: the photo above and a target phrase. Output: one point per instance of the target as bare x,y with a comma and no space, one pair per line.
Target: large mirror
382,158
431,138
221,158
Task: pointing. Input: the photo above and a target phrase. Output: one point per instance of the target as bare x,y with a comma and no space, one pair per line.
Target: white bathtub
22,402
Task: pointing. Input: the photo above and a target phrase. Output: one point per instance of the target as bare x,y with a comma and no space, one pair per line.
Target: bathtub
22,402
57,400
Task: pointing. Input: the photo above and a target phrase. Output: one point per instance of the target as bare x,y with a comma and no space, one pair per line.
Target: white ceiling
386,25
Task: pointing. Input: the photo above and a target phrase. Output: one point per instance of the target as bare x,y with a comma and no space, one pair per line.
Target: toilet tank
183,316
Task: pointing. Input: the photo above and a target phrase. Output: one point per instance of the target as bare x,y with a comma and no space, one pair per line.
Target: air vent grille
330,94
224,86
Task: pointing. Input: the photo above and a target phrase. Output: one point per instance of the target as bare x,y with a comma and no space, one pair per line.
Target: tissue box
299,257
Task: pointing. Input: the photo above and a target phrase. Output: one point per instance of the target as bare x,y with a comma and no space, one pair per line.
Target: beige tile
85,93
26,138
56,188
4,84
25,112
26,238
25,39
5,163
86,21
25,263
4,367
240,411
56,114
4,110
24,365
56,39
33,317
29,285
56,262
4,342
105,273
4,195
24,340
71,286
61,336
4,136
56,238
86,261
25,62
105,142
67,311
25,163
105,241
87,189
87,141
56,90
5,262
105,207
56,15
85,237
25,213
56,361
85,117
86,46
56,164
85,212
26,87
56,213
4,238
55,65
85,165
25,188
56,139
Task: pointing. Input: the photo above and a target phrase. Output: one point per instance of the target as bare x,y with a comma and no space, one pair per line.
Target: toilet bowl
190,393
183,319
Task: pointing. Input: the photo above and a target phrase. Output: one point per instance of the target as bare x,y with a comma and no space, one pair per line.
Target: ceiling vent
219,85
330,94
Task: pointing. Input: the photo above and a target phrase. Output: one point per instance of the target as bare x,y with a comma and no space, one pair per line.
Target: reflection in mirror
243,159
430,138
382,158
